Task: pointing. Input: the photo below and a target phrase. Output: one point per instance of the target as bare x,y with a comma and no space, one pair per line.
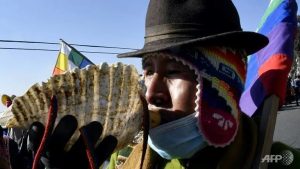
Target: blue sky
108,23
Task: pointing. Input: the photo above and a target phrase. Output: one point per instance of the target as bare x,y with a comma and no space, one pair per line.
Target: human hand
29,143
83,154
77,157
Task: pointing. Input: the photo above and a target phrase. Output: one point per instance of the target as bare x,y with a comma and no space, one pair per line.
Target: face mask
178,139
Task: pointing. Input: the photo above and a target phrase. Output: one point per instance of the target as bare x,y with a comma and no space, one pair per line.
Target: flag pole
266,127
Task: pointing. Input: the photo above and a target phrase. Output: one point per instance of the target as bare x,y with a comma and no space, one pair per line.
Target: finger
35,135
57,141
62,133
88,138
76,157
105,149
90,134
92,131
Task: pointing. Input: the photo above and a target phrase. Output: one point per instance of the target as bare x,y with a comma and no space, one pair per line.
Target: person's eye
173,72
148,72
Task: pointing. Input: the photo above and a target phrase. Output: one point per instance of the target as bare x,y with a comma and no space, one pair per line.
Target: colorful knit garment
221,76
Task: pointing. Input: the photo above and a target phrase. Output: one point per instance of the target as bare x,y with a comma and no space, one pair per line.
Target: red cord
52,114
88,150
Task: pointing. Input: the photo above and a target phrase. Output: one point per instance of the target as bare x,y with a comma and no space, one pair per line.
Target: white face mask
179,139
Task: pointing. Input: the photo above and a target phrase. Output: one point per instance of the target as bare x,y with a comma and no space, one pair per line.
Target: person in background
4,151
14,133
297,89
9,158
7,100
20,158
289,91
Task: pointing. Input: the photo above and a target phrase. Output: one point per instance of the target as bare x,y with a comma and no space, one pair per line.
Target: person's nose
157,93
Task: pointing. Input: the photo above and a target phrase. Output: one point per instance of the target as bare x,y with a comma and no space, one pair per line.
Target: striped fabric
268,69
69,58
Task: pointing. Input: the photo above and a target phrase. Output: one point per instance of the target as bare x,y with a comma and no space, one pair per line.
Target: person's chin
162,116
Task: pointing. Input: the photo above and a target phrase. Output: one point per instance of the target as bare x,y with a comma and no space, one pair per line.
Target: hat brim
251,42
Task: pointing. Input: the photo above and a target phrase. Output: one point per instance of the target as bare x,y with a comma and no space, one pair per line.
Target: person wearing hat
14,133
7,100
194,63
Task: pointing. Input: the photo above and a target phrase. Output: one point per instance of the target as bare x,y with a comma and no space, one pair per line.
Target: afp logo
286,158
271,158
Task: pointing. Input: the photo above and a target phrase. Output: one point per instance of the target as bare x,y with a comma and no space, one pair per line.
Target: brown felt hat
173,23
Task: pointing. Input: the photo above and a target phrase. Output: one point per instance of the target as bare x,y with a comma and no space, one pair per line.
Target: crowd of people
194,65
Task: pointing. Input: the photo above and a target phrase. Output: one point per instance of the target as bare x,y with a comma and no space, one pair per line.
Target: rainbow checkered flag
69,58
268,69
